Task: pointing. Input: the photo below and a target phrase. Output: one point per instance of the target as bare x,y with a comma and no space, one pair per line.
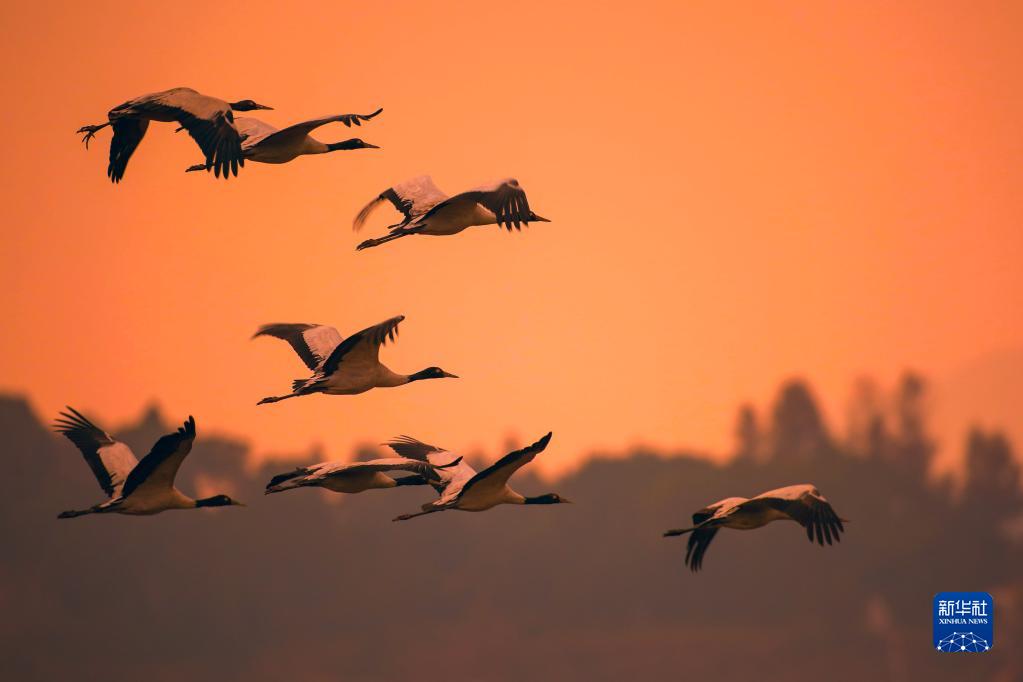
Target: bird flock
350,366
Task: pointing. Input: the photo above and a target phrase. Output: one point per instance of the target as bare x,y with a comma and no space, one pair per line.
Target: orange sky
822,189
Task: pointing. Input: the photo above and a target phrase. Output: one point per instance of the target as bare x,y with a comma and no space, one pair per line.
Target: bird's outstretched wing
362,347
300,130
110,460
208,120
453,476
497,474
128,133
317,473
219,141
386,464
158,469
805,504
704,531
697,546
704,528
412,448
413,198
252,129
313,342
505,199
704,514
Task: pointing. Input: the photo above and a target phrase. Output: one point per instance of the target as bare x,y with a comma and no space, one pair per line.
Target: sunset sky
826,190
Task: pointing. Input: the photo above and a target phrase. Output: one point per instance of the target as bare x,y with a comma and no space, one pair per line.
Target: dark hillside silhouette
313,586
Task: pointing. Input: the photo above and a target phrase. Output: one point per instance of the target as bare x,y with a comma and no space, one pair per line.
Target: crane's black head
549,498
432,373
248,105
218,501
354,143
534,218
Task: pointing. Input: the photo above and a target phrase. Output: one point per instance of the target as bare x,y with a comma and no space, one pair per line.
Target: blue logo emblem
963,622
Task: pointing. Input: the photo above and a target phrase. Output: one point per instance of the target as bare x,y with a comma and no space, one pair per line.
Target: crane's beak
449,375
367,145
236,503
264,107
565,500
540,219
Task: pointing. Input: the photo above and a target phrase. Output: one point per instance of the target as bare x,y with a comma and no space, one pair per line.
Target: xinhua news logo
963,622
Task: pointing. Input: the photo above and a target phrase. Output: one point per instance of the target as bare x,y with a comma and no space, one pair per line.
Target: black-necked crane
263,143
429,211
803,504
208,120
343,366
357,477
479,491
135,487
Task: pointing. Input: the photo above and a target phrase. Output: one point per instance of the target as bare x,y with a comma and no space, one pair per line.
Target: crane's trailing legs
278,398
677,531
369,243
72,514
90,132
406,517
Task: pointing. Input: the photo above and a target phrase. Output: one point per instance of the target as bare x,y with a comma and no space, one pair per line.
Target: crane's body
357,477
135,487
343,366
466,490
208,120
803,504
428,211
263,143
359,379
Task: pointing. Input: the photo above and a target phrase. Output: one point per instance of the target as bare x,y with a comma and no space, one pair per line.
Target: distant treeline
313,586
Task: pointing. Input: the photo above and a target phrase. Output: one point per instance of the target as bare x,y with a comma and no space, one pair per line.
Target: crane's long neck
310,145
389,379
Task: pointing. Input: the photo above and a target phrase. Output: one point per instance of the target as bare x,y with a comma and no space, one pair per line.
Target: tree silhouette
748,440
592,592
866,433
914,448
798,433
992,487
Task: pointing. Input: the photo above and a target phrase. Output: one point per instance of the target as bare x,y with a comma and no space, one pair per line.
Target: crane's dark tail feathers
677,531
